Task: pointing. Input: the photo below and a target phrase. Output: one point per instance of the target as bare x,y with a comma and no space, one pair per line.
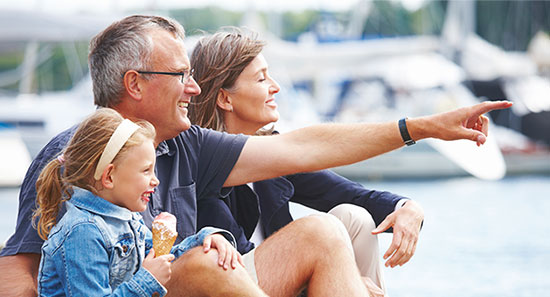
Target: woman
238,97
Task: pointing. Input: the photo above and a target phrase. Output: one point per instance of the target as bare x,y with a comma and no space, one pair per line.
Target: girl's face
252,98
133,177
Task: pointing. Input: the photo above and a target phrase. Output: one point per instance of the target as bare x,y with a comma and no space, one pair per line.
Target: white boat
36,118
387,79
14,158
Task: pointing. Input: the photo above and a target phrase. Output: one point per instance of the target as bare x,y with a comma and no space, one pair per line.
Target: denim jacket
97,249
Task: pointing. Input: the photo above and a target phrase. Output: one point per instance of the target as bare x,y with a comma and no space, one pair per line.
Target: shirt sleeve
323,190
26,239
219,152
83,262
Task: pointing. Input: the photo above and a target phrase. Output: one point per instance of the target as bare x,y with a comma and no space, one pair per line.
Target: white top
258,235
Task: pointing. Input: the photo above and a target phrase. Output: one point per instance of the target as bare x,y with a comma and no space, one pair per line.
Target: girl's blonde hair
77,164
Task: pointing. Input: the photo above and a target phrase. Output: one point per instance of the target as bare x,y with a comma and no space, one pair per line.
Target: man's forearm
329,145
18,275
313,148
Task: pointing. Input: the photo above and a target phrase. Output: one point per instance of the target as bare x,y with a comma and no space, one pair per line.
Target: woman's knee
353,217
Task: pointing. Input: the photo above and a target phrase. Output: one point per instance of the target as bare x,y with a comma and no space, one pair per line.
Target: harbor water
480,238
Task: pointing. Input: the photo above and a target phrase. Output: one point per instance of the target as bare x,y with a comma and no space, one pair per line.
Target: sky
100,6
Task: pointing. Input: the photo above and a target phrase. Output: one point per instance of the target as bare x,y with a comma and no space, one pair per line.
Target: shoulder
199,137
58,143
77,227
51,149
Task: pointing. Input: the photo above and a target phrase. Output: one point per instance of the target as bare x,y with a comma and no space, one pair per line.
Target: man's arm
329,145
19,274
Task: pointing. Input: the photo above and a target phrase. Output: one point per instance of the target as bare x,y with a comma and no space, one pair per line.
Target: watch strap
405,132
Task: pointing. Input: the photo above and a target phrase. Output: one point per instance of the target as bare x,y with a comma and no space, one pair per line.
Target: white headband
115,143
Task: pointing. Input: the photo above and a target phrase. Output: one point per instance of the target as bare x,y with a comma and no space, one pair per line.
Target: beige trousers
359,224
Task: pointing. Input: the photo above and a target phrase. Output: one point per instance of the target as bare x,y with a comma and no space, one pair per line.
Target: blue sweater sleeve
323,190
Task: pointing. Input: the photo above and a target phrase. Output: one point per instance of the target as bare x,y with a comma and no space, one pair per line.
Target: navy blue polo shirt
195,164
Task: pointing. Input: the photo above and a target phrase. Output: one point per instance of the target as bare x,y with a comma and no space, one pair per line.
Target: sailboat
380,80
30,119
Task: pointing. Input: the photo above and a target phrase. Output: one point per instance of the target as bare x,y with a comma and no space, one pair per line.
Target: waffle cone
163,240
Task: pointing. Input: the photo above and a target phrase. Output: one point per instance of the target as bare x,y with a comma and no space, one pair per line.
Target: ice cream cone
164,233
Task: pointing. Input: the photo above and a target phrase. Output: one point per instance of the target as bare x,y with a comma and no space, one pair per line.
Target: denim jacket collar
87,200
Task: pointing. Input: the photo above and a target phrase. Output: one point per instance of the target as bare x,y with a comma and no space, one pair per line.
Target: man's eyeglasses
185,75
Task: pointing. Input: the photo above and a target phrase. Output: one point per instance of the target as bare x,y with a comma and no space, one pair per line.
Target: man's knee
197,273
324,230
197,261
199,264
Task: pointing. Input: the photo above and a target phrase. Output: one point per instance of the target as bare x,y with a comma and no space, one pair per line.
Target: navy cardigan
239,211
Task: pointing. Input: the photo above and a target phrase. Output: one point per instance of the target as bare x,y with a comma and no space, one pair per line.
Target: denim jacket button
156,294
125,248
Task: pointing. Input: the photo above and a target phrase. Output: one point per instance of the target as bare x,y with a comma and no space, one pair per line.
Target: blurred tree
208,19
512,24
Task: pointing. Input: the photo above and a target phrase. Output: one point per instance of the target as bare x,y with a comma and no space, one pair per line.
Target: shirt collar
166,147
87,200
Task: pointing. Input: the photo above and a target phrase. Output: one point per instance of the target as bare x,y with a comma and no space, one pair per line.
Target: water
479,238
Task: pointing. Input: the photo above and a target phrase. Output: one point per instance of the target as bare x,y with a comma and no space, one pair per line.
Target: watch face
410,142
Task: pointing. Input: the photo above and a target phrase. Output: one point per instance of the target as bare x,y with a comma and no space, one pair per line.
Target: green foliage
294,23
508,24
208,19
512,24
10,60
53,74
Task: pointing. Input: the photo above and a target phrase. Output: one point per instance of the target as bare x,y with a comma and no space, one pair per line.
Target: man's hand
406,223
227,254
463,123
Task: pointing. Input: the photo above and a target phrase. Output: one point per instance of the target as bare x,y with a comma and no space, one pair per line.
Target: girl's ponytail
49,195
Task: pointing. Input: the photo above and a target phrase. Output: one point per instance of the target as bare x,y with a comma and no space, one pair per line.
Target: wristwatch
405,133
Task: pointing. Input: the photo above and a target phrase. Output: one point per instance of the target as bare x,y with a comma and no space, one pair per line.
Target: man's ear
224,101
107,177
132,83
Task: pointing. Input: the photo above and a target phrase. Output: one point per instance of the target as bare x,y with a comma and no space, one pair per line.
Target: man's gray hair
123,46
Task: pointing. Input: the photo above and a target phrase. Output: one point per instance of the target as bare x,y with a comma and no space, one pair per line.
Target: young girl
101,246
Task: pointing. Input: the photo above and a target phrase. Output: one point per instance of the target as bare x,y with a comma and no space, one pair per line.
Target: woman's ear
132,83
107,177
224,100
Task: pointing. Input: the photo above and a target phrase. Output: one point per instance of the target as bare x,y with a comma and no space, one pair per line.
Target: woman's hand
160,267
227,254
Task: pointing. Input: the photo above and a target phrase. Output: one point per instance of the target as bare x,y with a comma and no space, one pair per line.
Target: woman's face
253,98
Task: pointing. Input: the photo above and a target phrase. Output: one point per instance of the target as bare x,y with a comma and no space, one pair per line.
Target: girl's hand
160,267
227,254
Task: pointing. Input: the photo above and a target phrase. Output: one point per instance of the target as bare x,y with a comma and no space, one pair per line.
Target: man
140,67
